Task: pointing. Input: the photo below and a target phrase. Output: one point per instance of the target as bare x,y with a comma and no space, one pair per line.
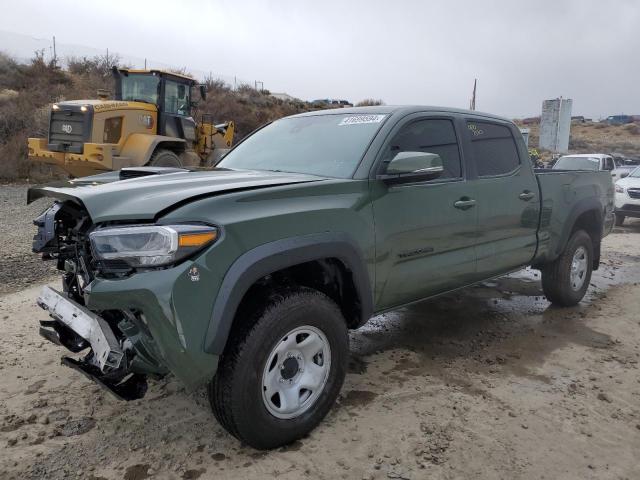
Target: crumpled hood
144,197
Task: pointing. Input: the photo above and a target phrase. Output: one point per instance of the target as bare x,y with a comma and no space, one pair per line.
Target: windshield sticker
357,119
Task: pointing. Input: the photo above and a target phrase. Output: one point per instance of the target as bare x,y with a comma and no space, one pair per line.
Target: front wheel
165,158
565,281
280,375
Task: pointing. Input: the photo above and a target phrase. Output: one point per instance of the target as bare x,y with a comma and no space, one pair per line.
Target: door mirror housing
413,167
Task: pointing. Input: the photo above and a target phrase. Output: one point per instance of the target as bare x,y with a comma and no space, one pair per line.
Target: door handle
526,195
464,203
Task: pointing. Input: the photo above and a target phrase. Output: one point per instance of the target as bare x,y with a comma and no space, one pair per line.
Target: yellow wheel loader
149,122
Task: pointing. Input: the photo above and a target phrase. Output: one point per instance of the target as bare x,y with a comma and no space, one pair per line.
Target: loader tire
165,158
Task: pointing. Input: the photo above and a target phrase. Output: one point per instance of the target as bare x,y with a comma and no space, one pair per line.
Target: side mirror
624,174
413,166
203,91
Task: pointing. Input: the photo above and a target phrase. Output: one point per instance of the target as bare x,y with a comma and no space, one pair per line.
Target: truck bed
564,195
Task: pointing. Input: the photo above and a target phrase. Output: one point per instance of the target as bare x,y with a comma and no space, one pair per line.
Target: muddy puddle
464,326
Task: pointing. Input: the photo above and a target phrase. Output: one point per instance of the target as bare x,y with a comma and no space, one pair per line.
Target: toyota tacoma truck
247,278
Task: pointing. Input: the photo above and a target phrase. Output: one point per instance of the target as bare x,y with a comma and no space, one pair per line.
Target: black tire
236,391
165,158
556,276
619,219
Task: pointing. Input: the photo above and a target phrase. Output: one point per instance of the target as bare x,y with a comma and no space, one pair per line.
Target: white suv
628,197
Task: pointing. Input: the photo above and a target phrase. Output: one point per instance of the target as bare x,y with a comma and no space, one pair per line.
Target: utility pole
55,56
145,63
472,103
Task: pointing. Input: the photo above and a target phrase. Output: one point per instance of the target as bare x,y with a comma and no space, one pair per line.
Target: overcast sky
404,52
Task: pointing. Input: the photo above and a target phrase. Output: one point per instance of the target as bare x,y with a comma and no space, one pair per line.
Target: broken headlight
151,245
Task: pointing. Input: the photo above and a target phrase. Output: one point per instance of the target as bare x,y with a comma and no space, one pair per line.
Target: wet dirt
487,382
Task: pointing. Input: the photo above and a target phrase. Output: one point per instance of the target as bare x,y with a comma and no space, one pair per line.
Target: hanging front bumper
85,324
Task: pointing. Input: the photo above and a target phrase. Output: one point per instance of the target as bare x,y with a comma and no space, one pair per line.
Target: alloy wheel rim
296,372
578,268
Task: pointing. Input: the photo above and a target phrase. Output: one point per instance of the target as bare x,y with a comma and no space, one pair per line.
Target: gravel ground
489,382
19,267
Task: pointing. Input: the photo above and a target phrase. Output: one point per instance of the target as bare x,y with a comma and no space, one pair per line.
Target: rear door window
493,148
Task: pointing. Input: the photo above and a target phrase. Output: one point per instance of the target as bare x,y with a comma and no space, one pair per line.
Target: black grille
630,207
68,130
112,266
634,192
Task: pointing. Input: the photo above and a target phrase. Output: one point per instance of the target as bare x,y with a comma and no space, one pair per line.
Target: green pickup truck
247,278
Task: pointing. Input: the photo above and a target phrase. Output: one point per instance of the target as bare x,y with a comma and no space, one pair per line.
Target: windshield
577,163
635,172
325,145
140,88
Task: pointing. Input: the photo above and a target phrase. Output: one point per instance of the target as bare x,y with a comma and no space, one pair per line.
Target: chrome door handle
526,195
464,204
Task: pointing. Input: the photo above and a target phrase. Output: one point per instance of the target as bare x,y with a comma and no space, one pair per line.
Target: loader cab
170,92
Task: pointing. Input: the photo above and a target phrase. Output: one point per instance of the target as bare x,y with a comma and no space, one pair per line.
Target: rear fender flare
581,207
274,256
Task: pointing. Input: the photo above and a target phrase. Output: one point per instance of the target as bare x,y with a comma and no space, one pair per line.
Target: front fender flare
274,256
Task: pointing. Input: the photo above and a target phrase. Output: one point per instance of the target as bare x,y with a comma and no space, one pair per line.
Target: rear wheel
165,158
565,281
619,220
281,374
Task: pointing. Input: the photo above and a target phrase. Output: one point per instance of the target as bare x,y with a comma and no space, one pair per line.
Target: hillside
27,91
595,137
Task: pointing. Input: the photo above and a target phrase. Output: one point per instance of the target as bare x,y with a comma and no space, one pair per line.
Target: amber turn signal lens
196,239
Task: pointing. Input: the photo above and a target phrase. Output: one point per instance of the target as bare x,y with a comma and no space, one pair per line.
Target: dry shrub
577,143
601,125
12,155
247,107
369,102
632,128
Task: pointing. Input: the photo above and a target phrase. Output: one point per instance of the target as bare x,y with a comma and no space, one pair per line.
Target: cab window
176,98
429,136
493,148
139,88
608,163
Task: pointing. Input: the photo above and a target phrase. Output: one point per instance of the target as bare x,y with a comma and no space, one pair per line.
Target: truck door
425,231
508,201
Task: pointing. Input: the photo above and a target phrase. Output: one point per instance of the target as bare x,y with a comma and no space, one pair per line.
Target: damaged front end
118,358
